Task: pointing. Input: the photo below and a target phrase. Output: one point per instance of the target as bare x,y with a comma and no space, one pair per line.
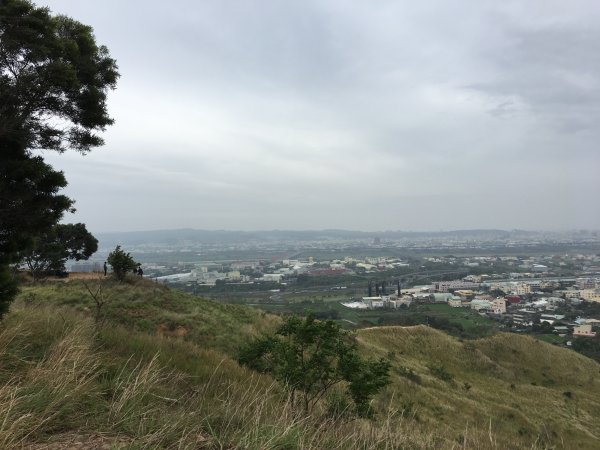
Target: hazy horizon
347,230
250,115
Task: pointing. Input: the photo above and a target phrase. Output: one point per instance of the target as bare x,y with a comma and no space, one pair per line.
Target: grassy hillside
67,381
511,390
142,305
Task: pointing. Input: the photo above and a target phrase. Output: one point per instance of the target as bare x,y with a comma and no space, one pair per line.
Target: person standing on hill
105,268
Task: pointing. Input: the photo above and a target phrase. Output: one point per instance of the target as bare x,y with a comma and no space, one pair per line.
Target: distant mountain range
178,236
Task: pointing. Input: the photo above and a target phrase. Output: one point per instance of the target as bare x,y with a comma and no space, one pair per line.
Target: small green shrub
310,357
440,372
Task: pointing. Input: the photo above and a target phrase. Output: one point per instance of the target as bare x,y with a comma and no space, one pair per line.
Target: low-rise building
445,286
513,299
464,293
441,297
455,302
583,330
586,283
590,295
234,275
273,277
399,302
479,305
522,319
498,306
569,293
561,330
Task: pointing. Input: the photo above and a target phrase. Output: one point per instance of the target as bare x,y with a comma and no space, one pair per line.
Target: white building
273,277
234,275
583,330
479,305
515,288
498,306
455,302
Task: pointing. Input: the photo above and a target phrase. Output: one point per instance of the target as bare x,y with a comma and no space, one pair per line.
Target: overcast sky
368,115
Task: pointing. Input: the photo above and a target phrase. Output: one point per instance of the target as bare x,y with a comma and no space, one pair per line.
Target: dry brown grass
511,388
62,378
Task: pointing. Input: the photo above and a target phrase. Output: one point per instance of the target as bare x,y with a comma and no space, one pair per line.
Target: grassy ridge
521,389
142,305
62,376
64,380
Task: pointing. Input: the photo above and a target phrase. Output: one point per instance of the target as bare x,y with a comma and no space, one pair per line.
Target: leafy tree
8,288
121,263
310,357
51,250
54,79
587,346
29,205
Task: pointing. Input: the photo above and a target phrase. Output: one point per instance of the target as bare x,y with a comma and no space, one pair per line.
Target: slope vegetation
510,390
158,371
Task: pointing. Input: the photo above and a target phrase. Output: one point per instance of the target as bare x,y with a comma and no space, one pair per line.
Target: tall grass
155,393
58,388
142,305
61,376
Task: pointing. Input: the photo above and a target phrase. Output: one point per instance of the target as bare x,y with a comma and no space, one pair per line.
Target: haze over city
371,116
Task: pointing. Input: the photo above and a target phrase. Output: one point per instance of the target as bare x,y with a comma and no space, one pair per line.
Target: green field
461,322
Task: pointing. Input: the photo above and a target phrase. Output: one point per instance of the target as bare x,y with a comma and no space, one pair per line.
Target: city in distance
469,283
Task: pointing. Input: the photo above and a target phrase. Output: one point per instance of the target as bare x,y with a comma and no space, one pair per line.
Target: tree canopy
51,250
310,357
121,263
54,81
29,201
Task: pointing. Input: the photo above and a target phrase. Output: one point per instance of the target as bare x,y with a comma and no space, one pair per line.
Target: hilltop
159,372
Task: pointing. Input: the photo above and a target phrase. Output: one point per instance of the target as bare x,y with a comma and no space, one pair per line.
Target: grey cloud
554,72
273,114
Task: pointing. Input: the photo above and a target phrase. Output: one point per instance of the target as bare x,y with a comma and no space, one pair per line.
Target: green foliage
53,85
51,250
29,200
366,379
143,305
29,205
8,288
54,79
587,346
114,388
310,357
79,243
121,263
439,371
338,405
